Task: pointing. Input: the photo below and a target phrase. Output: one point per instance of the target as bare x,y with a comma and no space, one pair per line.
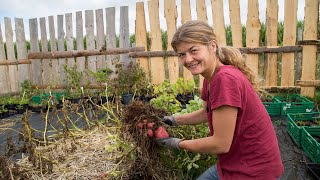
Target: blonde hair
196,31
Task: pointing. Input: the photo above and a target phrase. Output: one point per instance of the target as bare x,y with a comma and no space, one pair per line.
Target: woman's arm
224,123
196,117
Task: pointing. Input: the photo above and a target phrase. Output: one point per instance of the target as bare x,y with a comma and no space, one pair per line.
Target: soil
293,157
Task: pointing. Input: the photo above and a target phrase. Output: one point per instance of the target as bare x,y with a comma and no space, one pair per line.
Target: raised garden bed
272,105
295,122
310,142
295,103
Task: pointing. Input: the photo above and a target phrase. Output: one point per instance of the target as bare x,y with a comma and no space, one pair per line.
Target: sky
28,9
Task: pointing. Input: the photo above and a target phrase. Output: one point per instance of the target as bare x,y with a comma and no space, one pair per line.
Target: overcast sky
27,9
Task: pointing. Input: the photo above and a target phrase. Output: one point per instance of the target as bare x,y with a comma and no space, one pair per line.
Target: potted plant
129,81
4,112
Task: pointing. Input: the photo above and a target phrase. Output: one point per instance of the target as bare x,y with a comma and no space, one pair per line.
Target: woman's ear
213,46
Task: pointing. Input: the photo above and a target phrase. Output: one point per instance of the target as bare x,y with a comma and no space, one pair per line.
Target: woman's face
198,58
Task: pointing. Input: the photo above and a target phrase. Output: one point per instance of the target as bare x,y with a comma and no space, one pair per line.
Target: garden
109,132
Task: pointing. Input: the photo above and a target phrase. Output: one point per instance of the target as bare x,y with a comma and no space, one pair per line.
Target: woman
241,131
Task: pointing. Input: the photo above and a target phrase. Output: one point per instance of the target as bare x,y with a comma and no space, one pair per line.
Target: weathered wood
308,42
270,49
201,15
170,13
201,10
141,36
308,83
157,63
235,23
111,37
23,69
298,56
281,89
15,62
13,71
289,38
82,53
101,60
92,65
53,46
61,48
124,40
46,86
34,47
218,21
69,38
81,62
46,74
4,79
245,50
253,34
309,59
271,62
186,16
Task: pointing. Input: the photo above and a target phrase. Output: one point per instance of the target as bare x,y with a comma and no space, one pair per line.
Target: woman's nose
188,58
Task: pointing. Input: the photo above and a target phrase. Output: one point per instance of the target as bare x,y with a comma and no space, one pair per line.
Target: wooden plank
201,15
101,60
15,62
218,21
309,58
185,17
289,38
81,62
111,37
308,83
253,34
156,63
46,74
34,47
90,43
124,40
271,62
235,23
62,61
4,79
201,10
13,71
69,38
141,36
23,69
247,50
54,62
171,14
74,53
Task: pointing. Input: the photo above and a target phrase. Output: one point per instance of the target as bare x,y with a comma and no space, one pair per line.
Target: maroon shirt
254,152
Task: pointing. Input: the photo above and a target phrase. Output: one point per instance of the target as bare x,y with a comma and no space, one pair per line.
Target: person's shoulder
228,70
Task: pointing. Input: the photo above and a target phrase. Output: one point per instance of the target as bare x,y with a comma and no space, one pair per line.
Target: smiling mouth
192,65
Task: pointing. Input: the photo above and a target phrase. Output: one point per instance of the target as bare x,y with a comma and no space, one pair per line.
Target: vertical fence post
61,48
54,62
124,40
235,22
218,21
253,34
111,36
23,69
81,62
90,43
271,63
69,38
141,36
4,79
289,39
170,12
309,57
101,60
156,63
185,17
46,75
34,47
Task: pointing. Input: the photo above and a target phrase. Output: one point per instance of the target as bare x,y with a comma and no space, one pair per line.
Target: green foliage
183,87
228,35
191,164
73,80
